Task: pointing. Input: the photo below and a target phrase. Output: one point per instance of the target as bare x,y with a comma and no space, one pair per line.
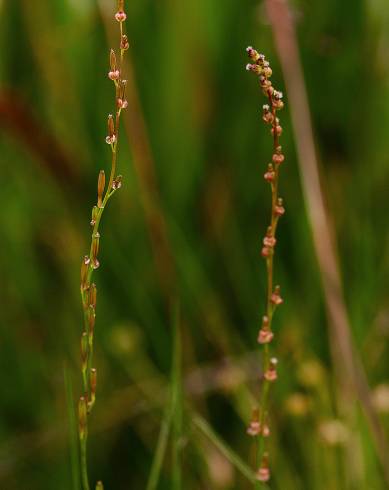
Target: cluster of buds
276,296
121,100
265,335
271,373
263,473
269,243
254,429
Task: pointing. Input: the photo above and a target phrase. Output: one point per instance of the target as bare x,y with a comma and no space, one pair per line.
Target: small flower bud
269,240
100,188
253,67
254,427
277,130
114,75
270,174
276,296
253,54
279,209
278,158
265,336
266,252
261,59
122,104
271,373
99,485
82,417
267,71
263,473
120,16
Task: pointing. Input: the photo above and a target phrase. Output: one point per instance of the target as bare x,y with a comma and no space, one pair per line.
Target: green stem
84,465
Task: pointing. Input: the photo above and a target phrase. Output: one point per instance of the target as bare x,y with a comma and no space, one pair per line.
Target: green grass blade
202,425
160,451
73,433
177,409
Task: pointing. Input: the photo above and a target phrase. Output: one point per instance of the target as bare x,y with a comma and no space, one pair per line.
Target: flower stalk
259,427
91,262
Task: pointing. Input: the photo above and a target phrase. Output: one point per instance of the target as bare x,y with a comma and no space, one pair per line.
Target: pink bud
120,16
265,336
263,474
278,158
114,75
269,241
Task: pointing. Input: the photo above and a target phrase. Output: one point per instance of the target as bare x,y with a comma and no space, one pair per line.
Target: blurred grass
209,147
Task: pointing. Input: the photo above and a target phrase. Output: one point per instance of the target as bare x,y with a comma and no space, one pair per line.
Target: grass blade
160,450
177,410
202,425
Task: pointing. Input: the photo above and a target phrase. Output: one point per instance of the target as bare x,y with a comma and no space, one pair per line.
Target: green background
194,169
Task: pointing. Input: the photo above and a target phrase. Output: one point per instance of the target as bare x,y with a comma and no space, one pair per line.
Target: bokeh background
188,223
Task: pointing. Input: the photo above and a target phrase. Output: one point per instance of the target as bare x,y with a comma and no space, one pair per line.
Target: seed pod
84,350
100,188
95,246
111,126
82,417
84,271
112,60
91,319
93,381
92,295
95,211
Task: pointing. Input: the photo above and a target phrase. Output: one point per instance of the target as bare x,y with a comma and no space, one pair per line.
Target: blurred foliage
209,152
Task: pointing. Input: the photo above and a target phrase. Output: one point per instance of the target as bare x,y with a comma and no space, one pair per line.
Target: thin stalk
90,262
258,427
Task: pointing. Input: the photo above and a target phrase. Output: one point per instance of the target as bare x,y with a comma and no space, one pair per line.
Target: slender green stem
84,464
